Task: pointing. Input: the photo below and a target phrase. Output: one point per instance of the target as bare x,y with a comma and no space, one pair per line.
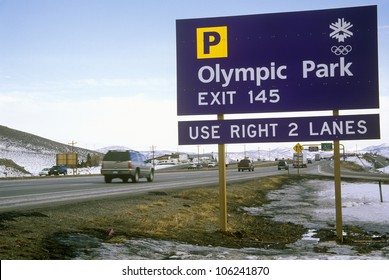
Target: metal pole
222,183
344,152
338,189
382,199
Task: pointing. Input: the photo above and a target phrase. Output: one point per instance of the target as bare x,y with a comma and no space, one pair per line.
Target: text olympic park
208,74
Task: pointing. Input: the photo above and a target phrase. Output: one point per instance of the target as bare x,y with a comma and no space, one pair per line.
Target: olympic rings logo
341,50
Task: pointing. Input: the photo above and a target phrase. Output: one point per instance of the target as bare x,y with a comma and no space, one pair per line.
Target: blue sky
103,72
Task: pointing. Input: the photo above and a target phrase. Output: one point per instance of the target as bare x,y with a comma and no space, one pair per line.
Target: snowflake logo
341,30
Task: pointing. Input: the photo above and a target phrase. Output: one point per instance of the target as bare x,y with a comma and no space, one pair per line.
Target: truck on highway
245,164
299,160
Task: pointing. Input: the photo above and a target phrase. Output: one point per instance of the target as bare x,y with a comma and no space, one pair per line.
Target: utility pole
198,154
73,143
153,152
244,149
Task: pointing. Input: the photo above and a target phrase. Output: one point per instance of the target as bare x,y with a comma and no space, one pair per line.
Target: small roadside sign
326,147
298,148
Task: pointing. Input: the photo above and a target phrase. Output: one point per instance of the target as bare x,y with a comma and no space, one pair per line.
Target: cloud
128,83
135,121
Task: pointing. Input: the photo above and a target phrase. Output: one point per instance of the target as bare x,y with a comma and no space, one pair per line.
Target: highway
28,193
326,168
37,192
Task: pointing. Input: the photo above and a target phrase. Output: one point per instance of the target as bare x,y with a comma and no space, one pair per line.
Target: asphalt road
31,193
379,161
28,193
326,168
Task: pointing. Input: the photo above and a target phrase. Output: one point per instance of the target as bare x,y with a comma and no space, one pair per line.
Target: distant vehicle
195,166
317,157
44,172
126,165
58,170
282,164
245,164
192,166
212,164
299,160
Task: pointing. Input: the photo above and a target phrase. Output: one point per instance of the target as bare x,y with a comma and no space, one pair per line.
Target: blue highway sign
294,61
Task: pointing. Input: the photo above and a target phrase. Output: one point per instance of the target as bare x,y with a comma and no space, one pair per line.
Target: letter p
212,42
210,39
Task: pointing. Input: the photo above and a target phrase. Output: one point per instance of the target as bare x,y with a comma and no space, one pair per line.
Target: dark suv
58,170
246,164
282,164
126,165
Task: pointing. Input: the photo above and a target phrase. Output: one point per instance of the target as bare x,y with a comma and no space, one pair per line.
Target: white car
44,172
195,166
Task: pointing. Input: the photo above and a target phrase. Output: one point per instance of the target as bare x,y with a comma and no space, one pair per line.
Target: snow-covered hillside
106,149
30,152
382,150
272,154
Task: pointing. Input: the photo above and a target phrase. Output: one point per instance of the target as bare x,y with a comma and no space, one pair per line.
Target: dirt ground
190,216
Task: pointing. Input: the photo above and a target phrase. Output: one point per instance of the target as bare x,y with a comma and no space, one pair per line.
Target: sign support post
338,188
222,182
299,150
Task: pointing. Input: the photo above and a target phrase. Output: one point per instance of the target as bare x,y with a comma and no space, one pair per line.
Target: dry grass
190,216
351,166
